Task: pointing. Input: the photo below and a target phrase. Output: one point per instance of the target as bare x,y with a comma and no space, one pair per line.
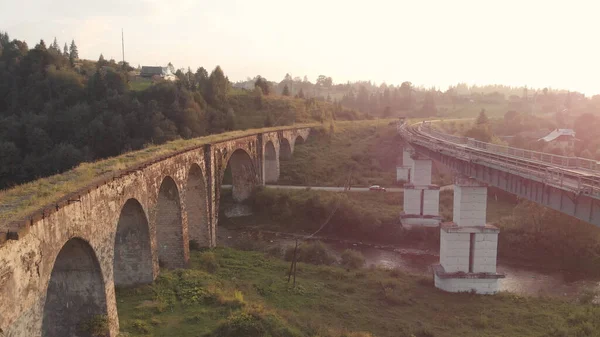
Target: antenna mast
123,46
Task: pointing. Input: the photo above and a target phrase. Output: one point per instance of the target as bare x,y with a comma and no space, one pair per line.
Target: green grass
368,149
249,296
20,201
140,84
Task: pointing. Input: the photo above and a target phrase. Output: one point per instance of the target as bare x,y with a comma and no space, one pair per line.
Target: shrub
141,326
209,262
315,252
194,245
352,259
96,326
254,322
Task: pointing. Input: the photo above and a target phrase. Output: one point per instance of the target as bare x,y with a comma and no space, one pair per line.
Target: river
519,280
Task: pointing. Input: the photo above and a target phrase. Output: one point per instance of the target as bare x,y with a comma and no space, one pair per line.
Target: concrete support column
404,166
468,246
421,172
421,198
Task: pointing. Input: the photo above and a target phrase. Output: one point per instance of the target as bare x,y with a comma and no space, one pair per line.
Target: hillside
57,110
368,150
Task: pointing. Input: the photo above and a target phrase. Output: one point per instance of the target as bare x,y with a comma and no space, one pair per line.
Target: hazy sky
514,42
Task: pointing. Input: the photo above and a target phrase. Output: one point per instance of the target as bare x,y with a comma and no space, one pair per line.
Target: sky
431,43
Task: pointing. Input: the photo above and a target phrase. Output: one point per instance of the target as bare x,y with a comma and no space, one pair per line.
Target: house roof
558,133
152,70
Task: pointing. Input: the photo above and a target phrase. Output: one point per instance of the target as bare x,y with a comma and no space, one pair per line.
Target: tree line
57,110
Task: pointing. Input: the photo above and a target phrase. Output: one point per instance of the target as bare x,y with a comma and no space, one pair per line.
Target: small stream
519,280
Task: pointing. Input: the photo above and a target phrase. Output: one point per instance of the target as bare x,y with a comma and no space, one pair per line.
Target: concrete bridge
60,267
468,245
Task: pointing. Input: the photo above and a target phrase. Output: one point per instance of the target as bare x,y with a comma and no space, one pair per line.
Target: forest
57,110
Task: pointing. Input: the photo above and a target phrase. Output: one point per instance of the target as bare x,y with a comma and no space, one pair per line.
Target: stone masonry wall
92,216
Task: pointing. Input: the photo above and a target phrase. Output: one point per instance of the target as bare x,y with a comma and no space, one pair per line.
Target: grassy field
367,149
139,84
231,293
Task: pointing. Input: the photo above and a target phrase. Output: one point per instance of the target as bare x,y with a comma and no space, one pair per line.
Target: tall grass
249,296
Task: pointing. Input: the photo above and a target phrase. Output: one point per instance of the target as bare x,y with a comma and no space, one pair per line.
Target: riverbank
229,293
530,234
521,278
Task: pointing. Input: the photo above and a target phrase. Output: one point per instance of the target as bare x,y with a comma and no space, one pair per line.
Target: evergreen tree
216,90
286,91
263,84
301,93
66,50
73,53
41,45
482,119
55,46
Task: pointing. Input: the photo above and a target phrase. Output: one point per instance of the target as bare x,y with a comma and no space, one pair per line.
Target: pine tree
73,53
66,50
41,45
483,118
301,94
55,45
216,90
286,91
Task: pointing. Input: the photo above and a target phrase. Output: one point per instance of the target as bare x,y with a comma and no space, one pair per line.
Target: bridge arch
243,174
169,226
75,292
299,140
132,263
285,149
196,205
271,163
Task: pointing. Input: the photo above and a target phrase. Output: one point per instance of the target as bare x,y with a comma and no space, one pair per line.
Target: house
162,72
560,137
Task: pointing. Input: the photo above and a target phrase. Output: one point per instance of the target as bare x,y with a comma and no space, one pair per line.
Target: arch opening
243,175
299,140
169,226
75,293
197,208
285,150
271,165
133,254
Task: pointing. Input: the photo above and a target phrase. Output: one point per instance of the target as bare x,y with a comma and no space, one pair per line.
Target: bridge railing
543,157
567,172
549,158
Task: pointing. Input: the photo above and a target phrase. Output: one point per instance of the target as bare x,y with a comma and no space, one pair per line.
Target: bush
254,322
194,245
352,259
97,326
315,252
209,262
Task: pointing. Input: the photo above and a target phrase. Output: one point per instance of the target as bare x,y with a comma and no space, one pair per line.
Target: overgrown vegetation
368,150
24,199
57,111
249,296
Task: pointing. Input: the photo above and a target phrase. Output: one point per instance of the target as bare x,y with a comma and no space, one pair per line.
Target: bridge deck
577,175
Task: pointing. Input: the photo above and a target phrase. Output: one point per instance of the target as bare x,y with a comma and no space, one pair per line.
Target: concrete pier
404,165
468,247
421,198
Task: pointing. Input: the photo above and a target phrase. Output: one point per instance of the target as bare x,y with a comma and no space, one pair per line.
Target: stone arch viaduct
61,266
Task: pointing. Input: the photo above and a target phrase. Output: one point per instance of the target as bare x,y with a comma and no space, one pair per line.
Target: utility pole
123,46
